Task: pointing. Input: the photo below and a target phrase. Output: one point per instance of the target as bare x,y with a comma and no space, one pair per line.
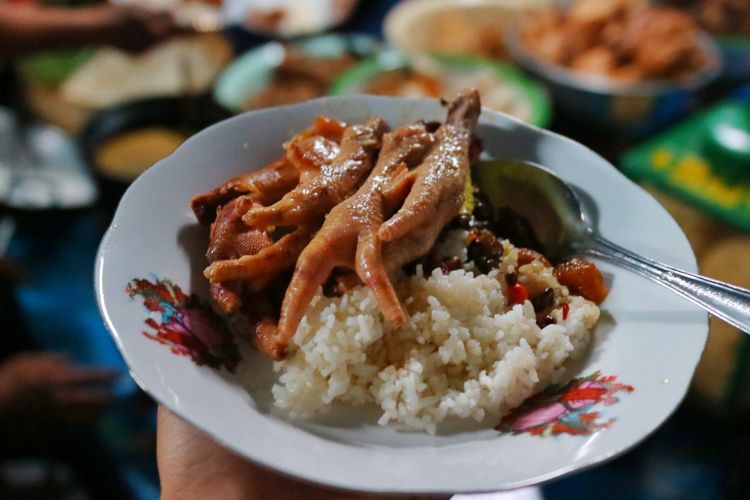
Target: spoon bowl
538,196
564,229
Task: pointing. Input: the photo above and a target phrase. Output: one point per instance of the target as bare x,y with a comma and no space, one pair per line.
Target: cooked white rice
463,350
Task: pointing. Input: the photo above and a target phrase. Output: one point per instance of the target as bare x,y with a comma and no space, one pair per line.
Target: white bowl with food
624,65
435,357
503,87
466,27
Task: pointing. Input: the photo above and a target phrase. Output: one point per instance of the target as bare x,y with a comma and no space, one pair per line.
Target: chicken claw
349,239
229,239
258,268
244,258
266,186
269,184
318,192
438,183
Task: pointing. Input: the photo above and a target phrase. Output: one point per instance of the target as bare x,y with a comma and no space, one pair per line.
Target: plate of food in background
66,89
270,18
502,87
41,167
275,73
437,356
288,18
466,27
728,21
624,64
202,16
122,142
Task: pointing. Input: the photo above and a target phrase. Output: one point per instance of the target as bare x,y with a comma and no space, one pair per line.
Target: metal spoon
554,211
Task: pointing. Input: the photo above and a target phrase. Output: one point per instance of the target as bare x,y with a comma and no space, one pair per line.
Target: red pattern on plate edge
191,328
186,324
566,409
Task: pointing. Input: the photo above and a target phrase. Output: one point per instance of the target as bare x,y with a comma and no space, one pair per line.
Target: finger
41,366
40,360
47,357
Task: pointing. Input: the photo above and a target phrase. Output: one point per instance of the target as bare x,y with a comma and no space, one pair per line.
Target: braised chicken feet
349,239
355,235
318,192
265,186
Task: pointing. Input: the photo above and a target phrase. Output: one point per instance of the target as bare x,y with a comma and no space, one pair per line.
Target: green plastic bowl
354,80
254,70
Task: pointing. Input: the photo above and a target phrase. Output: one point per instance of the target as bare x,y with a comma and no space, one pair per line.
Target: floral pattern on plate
566,409
186,324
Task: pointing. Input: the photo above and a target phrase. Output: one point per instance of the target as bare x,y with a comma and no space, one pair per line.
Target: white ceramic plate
645,350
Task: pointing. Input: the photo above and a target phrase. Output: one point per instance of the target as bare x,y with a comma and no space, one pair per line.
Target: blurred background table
701,452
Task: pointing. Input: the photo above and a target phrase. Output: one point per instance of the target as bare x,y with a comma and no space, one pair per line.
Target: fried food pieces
343,198
722,17
627,40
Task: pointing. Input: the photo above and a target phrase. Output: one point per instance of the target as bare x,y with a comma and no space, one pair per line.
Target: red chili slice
518,293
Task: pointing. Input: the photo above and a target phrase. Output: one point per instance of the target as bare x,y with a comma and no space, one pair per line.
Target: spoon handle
728,302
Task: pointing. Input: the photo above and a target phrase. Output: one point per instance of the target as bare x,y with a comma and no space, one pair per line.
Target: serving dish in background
255,71
286,19
628,104
41,168
728,21
503,87
634,390
120,143
66,89
466,27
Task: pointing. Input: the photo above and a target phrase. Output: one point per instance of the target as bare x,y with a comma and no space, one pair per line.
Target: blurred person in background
27,26
49,406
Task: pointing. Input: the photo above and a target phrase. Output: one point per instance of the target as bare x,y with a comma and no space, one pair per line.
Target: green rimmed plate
537,110
254,70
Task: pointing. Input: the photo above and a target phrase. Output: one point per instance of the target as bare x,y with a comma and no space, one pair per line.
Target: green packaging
704,161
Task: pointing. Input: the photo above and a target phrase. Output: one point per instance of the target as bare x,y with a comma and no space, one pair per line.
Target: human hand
134,28
44,395
193,466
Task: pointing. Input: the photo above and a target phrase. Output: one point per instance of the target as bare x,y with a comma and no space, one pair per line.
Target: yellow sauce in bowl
125,156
